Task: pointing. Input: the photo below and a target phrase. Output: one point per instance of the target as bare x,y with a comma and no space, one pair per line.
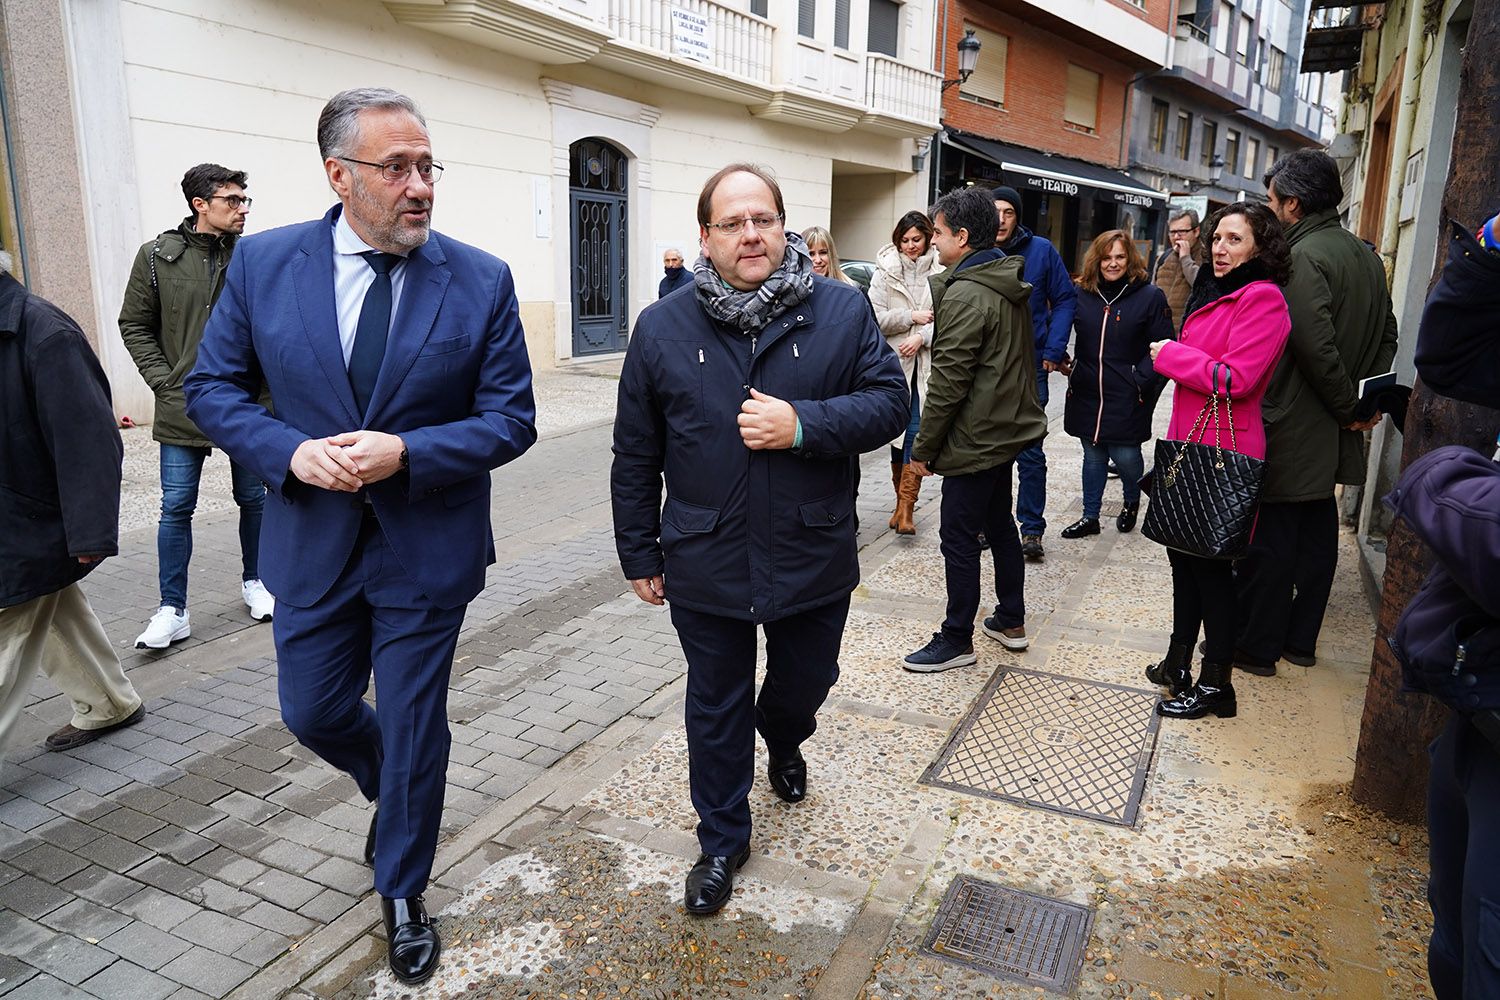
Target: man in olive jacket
173,286
1343,330
59,518
981,410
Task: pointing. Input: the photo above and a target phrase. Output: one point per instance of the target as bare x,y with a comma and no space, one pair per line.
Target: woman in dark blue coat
1113,388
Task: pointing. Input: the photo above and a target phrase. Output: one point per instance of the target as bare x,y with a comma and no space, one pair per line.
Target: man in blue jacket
749,397
398,366
1053,301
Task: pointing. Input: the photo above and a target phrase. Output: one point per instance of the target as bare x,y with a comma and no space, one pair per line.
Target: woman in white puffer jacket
902,300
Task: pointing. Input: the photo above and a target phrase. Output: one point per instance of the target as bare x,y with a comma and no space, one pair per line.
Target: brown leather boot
906,500
896,468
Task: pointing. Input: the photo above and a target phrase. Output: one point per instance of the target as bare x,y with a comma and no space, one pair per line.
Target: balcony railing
736,43
902,90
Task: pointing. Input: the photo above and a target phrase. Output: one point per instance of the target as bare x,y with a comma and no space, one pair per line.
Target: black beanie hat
1009,194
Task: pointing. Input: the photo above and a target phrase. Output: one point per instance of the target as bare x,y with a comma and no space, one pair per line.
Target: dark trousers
1463,819
980,501
1285,578
1203,595
375,617
723,714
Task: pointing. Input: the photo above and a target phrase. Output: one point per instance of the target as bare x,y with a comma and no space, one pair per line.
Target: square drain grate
1077,747
1011,934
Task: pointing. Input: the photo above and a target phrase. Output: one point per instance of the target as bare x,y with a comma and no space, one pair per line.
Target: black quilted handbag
1203,498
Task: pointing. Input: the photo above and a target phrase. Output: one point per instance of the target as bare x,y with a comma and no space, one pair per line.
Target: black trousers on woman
1203,594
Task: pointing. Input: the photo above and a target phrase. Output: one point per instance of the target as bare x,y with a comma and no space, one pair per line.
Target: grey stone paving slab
67,958
123,979
84,919
157,908
145,945
207,971
47,988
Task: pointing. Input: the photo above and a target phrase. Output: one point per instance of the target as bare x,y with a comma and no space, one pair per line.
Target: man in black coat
59,517
750,397
674,275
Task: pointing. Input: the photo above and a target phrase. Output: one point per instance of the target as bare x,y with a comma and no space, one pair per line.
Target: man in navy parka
749,392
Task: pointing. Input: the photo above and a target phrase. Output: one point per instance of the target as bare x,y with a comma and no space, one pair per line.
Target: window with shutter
1210,143
1184,135
759,7
1081,108
1232,151
1252,158
1222,35
1159,111
807,18
885,22
986,85
841,24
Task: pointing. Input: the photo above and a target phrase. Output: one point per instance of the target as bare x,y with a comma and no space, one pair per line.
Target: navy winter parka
1114,388
753,535
1053,297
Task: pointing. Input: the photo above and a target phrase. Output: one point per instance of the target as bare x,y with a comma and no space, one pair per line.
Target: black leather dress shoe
370,838
711,882
788,777
411,941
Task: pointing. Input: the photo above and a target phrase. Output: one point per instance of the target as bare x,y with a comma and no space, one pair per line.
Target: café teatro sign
1058,185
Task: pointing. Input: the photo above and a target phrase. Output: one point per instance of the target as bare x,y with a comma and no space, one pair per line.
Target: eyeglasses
733,227
232,200
396,171
1179,232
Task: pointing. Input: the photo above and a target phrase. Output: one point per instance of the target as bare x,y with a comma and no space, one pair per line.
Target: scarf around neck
750,312
1209,289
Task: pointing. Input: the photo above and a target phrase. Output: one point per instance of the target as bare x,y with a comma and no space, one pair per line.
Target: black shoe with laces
1082,527
942,653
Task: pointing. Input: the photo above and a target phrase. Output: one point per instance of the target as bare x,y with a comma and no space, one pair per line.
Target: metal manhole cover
1072,746
1011,934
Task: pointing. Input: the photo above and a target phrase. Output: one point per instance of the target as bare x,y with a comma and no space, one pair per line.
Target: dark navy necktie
373,328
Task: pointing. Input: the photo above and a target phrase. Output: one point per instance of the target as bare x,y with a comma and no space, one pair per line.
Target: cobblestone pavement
204,853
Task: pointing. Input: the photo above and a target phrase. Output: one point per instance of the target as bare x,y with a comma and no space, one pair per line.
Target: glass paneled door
597,202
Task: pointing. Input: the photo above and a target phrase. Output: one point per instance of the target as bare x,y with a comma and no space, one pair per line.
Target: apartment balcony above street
704,48
1221,75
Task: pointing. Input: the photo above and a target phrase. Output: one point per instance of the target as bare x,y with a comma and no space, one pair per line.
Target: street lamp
968,57
1215,174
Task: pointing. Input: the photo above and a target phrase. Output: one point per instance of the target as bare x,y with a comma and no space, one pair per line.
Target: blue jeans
1031,476
181,469
902,455
1096,459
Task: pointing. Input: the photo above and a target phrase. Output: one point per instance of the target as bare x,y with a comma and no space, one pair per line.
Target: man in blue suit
397,365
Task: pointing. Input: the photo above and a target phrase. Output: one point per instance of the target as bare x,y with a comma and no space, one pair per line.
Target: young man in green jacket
981,410
173,286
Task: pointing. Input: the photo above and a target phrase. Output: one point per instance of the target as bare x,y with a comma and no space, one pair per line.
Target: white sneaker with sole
1011,638
165,627
259,600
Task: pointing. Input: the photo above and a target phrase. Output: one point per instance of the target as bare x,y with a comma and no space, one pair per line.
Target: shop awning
1052,174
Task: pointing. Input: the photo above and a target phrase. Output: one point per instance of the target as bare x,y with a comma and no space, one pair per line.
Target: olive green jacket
173,286
1343,330
981,406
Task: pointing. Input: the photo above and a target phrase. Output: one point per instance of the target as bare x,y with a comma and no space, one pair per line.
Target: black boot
1128,513
1213,693
1175,671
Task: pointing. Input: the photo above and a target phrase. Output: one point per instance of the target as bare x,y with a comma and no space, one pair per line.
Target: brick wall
1036,76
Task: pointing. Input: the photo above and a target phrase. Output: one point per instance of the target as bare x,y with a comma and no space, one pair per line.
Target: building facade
1047,111
576,133
1208,125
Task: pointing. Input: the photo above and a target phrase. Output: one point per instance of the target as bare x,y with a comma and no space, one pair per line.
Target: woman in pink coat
1238,324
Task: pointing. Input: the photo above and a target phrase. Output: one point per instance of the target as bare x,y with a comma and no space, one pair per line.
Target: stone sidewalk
203,853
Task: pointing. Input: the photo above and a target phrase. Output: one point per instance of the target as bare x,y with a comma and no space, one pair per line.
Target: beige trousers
80,660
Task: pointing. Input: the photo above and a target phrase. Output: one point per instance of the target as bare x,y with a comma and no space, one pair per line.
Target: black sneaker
1031,547
942,653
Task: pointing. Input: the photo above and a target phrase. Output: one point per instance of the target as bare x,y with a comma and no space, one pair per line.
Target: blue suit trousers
375,617
723,712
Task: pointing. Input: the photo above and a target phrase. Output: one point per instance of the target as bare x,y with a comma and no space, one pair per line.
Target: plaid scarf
752,311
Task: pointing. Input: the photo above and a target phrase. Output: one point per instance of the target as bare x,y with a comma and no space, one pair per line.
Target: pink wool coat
1245,330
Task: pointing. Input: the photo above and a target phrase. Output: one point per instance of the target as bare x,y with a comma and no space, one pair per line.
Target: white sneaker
165,627
259,600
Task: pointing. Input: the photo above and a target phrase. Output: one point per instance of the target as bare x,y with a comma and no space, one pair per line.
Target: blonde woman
902,301
825,255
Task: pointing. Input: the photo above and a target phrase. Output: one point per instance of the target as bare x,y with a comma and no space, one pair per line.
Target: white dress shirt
352,278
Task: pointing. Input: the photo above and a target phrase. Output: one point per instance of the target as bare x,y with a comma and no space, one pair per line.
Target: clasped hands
348,462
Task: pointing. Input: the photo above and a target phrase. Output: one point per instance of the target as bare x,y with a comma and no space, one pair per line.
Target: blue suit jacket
455,384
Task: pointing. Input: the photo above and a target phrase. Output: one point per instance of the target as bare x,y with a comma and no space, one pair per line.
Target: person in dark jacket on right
1113,388
674,275
1052,303
981,411
1448,638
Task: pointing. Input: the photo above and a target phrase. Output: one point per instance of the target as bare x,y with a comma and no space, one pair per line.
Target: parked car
859,271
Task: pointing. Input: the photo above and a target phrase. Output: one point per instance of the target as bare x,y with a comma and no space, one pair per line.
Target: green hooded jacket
981,406
174,283
1343,330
